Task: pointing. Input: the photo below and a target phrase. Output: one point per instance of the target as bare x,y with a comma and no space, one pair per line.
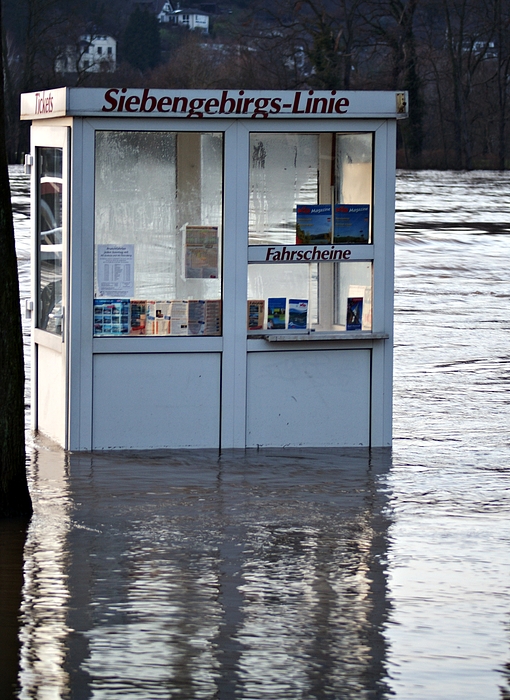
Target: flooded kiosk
212,268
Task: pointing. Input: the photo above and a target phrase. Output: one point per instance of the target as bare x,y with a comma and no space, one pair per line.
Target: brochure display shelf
310,336
209,267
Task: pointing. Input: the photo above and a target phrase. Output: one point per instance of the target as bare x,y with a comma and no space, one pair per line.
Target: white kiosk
212,269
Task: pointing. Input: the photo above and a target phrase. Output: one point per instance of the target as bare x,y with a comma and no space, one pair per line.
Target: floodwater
297,574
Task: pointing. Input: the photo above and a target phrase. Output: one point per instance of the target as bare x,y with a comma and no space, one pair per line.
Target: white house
184,17
92,54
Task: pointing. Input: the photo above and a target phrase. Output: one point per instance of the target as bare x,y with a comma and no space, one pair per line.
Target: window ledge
324,335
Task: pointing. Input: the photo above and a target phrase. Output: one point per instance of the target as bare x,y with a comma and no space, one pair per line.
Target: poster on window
115,271
201,255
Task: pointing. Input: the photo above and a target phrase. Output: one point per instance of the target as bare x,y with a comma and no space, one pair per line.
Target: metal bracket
29,161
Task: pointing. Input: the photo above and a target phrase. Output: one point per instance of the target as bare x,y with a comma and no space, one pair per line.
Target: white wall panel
143,401
306,398
51,403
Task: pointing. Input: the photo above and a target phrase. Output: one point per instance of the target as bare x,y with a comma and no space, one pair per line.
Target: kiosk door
49,401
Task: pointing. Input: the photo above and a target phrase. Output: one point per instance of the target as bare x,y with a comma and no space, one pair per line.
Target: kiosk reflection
260,574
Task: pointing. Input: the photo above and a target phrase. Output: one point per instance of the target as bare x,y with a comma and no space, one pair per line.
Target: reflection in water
43,625
12,540
257,575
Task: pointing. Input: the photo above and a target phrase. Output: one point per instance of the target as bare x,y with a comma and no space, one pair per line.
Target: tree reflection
43,622
13,534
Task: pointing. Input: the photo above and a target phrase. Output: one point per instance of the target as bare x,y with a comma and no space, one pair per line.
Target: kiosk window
310,205
158,233
310,296
49,224
292,173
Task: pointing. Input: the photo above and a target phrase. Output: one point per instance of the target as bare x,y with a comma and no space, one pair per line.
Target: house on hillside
92,54
189,18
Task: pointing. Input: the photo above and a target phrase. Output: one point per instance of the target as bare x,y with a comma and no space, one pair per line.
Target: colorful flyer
256,309
351,223
313,224
138,317
111,316
276,308
354,314
158,318
298,313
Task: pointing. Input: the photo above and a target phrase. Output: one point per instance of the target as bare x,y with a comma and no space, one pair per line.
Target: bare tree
14,495
501,17
469,37
390,25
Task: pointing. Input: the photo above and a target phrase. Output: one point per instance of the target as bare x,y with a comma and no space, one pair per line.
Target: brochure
111,316
196,317
256,313
179,318
361,290
354,313
158,318
213,317
276,307
201,255
138,317
298,313
313,224
351,223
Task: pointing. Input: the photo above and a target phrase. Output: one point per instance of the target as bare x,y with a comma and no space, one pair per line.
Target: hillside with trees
453,57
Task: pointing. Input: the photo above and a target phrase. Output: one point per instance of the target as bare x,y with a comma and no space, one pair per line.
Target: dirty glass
158,233
292,172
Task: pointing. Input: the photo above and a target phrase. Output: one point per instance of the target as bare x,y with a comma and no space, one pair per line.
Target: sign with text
200,104
308,253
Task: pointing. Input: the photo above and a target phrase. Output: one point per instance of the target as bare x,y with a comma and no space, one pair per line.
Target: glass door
50,230
49,239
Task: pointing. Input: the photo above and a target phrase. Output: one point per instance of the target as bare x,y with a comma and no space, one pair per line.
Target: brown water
305,574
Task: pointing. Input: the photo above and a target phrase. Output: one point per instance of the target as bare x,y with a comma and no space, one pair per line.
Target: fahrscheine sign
308,253
200,104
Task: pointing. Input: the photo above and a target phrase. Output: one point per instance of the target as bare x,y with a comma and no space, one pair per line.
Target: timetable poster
115,270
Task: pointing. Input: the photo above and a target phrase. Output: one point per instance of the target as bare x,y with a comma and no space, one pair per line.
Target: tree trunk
14,495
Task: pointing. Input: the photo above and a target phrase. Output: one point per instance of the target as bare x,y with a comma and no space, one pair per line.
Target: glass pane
310,189
353,296
49,315
354,156
291,288
310,296
158,233
283,173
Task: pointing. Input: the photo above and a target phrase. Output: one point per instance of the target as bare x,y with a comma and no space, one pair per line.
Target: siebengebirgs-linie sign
127,102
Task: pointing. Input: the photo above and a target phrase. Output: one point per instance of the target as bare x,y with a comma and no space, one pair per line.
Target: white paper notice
115,268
